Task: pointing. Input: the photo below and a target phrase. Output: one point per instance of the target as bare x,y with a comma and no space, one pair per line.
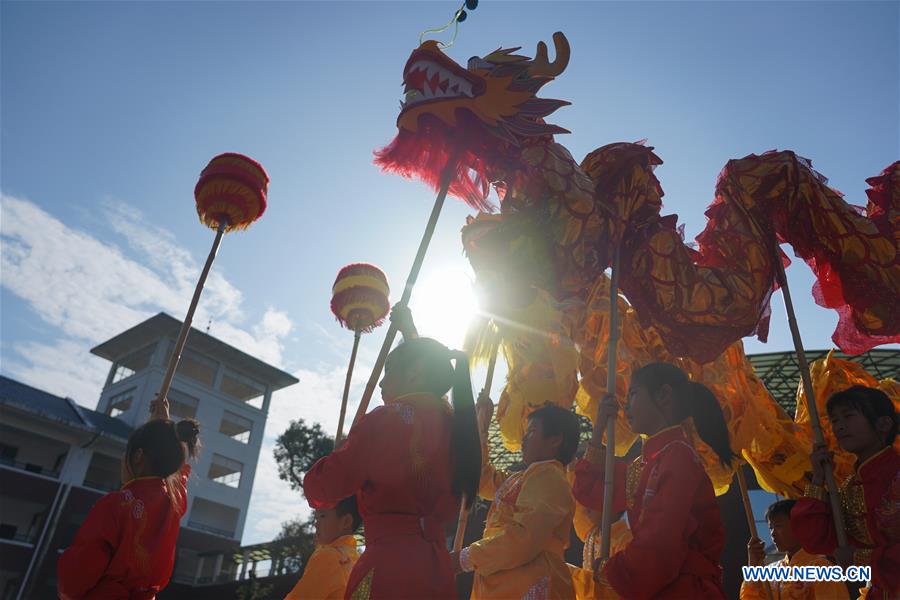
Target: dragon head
482,115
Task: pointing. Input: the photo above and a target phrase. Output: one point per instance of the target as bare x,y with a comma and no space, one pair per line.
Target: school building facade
58,458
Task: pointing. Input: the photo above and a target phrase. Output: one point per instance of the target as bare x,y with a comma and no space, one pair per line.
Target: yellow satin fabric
526,533
327,572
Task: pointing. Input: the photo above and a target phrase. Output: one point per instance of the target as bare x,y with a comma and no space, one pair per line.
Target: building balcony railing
210,529
30,468
25,538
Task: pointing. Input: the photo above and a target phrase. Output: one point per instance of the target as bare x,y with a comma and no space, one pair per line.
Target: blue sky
110,110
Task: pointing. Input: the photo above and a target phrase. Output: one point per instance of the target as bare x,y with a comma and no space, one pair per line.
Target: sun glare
443,303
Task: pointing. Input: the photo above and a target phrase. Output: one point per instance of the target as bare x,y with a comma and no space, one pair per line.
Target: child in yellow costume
779,518
527,530
327,571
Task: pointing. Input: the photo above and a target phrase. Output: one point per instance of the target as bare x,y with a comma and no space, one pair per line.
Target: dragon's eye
476,63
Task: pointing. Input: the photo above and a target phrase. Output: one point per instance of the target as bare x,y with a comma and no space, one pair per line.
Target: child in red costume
865,423
125,549
669,499
408,463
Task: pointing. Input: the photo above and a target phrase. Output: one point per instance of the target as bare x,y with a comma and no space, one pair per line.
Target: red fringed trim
363,318
425,154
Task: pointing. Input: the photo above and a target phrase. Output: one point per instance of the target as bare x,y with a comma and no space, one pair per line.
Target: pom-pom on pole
230,195
360,302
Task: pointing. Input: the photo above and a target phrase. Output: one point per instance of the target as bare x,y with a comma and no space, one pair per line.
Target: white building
56,458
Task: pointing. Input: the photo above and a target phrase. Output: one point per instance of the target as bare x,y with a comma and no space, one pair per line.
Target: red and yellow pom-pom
359,297
232,188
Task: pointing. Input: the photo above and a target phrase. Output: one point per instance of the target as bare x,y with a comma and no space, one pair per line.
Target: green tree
297,450
297,539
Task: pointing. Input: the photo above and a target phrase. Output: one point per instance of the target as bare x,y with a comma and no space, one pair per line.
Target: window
133,363
225,471
182,405
193,365
103,473
236,427
245,389
120,403
8,454
213,517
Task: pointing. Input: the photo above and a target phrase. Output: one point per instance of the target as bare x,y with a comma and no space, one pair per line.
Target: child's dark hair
870,402
559,421
440,377
166,446
347,506
782,507
693,400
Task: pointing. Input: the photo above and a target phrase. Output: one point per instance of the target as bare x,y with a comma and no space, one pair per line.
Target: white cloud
64,368
90,290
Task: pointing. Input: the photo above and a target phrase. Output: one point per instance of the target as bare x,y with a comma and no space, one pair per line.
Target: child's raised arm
491,478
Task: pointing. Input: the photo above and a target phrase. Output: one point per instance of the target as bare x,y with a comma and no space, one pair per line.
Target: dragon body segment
541,261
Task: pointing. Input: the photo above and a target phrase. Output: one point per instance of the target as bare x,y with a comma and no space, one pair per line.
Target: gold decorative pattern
588,554
363,589
632,477
595,454
853,504
815,491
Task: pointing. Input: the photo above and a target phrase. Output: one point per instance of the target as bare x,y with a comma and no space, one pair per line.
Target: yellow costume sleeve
543,502
585,520
322,577
491,478
754,590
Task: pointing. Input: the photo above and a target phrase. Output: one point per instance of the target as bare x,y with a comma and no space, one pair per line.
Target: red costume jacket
674,518
870,499
125,549
397,462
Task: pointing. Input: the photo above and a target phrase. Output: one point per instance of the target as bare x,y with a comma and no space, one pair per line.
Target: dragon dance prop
230,195
359,301
560,222
748,512
609,467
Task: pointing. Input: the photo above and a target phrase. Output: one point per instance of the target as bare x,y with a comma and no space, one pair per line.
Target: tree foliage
298,541
297,450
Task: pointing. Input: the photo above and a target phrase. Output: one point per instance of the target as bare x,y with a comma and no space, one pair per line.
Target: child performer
126,546
328,569
408,463
779,518
527,530
865,423
671,506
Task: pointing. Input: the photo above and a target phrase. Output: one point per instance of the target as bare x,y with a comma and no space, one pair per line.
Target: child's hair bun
188,431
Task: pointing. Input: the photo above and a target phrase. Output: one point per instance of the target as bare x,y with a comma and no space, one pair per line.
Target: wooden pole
188,319
833,496
463,513
340,428
447,179
609,475
748,511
